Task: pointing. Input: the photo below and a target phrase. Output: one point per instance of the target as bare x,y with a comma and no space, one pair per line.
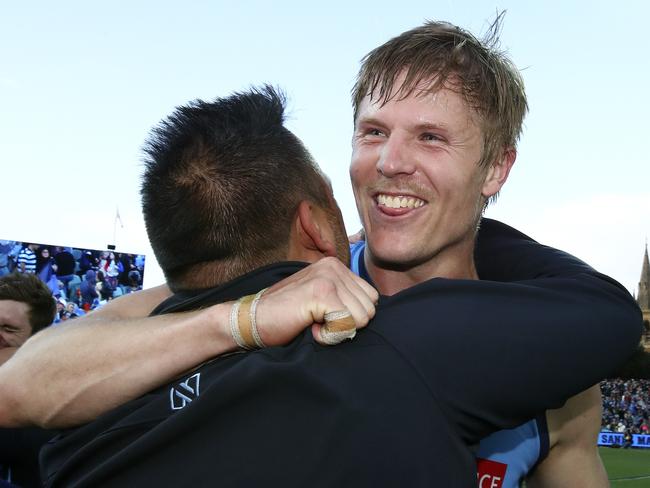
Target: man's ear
498,172
312,234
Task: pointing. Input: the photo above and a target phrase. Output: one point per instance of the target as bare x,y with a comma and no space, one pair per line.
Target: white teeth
399,202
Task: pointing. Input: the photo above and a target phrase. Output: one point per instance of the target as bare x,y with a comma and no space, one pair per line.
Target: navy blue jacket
442,365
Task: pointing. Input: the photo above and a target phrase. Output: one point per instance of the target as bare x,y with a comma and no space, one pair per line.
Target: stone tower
643,297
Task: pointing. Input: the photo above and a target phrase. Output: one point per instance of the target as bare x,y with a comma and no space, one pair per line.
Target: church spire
643,298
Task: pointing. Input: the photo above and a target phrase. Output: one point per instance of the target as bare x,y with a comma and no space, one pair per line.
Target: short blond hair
444,55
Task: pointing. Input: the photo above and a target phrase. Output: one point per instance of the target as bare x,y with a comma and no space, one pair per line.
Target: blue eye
429,137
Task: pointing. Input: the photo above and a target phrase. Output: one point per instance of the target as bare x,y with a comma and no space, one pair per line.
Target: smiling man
26,306
438,114
418,185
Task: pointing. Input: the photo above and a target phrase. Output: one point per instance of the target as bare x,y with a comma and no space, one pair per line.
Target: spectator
46,270
135,281
110,267
5,251
13,256
60,311
87,262
67,310
88,290
125,266
66,266
139,263
26,306
104,289
26,262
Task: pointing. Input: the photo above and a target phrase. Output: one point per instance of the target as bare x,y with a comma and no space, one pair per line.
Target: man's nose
395,158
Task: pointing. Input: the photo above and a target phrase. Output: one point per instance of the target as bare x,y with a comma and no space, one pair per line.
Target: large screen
80,279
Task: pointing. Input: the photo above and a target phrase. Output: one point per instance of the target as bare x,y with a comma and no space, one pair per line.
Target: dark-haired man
399,404
26,306
26,261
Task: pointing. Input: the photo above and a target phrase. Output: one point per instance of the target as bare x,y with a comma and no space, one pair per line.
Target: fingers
307,296
358,296
324,337
339,326
348,304
354,294
355,301
348,277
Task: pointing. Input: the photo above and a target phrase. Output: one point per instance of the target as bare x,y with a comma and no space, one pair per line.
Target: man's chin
394,259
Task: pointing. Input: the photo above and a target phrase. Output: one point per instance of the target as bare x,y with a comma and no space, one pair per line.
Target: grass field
627,467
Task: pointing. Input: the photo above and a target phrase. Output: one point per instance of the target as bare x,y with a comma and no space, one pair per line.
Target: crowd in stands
626,406
80,279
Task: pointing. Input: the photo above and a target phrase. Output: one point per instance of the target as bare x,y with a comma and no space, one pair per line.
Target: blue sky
81,84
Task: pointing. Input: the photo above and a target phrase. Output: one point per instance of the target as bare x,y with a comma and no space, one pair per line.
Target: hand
304,298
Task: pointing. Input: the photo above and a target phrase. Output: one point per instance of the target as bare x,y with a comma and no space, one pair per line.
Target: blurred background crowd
80,279
626,406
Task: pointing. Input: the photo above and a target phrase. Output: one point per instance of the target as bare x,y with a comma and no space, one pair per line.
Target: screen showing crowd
80,279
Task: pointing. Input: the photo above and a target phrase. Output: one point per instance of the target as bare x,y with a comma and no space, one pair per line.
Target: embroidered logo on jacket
490,474
185,392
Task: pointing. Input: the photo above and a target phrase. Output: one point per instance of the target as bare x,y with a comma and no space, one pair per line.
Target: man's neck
456,262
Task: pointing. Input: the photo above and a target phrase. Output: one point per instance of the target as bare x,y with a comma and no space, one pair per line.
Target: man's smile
398,201
397,204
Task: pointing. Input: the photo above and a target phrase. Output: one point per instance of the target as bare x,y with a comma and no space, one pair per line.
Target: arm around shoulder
540,326
73,373
69,374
